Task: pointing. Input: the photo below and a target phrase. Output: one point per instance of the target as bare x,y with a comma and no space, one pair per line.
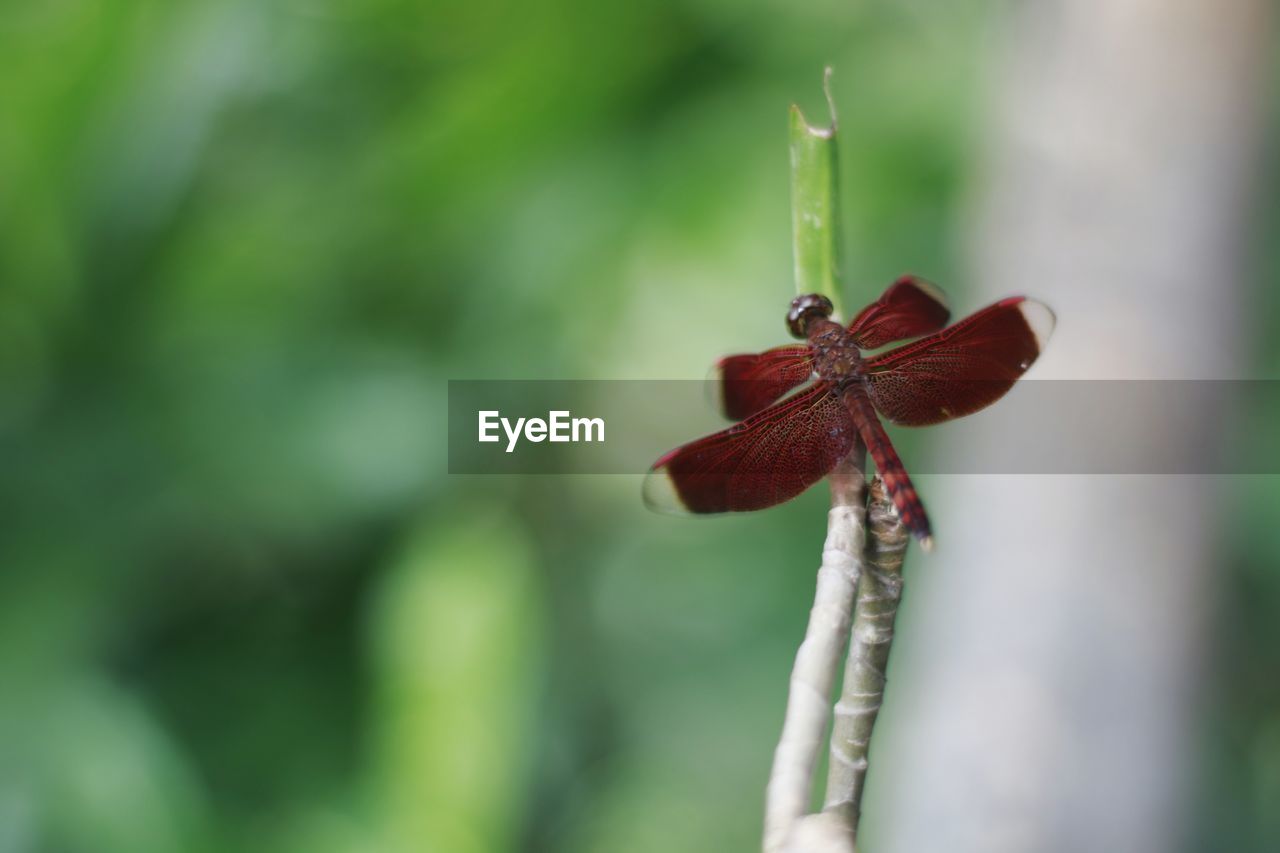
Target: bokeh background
244,245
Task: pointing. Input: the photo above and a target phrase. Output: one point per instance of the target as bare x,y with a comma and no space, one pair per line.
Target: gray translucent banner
1040,427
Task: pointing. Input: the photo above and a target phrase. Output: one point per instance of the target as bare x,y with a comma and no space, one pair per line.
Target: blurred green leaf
457,640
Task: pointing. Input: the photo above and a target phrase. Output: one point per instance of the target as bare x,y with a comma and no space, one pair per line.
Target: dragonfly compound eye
804,310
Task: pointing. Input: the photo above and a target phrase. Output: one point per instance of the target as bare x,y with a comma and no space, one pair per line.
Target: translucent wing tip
1040,319
928,288
659,493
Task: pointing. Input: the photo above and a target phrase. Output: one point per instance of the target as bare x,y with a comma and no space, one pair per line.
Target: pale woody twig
817,661
862,693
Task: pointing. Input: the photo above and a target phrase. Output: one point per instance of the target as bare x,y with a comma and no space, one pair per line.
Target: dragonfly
784,442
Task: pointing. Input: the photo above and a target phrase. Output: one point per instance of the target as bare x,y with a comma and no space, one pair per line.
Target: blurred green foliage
242,247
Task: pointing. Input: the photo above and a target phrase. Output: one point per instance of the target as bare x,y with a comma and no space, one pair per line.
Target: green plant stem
815,209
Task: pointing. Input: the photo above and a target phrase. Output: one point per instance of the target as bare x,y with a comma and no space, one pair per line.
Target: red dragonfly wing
961,369
769,458
909,308
749,383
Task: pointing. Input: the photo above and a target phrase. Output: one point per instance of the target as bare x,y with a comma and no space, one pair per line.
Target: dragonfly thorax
836,358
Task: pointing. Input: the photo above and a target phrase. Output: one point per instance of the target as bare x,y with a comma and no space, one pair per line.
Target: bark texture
862,691
817,662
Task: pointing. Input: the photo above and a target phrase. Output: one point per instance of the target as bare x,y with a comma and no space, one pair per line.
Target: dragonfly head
804,310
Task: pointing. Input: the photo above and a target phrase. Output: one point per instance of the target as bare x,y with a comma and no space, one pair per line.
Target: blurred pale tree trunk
1046,690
